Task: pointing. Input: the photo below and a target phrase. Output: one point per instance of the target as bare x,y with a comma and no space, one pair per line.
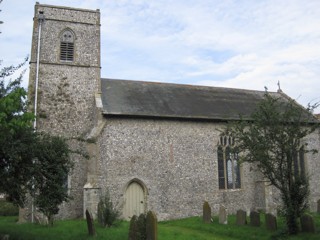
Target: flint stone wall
176,160
312,169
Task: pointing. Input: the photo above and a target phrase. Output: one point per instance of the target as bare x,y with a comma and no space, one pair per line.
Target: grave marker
223,215
91,229
271,222
255,219
206,212
241,217
152,226
307,224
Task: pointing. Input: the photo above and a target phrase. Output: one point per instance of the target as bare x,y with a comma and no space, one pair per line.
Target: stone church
153,146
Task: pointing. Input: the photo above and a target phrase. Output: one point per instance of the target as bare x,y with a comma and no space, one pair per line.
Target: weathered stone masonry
66,90
176,160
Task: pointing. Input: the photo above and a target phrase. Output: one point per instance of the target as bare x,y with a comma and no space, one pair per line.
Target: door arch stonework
135,198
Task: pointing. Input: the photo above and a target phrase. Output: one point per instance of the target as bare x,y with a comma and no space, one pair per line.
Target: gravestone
4,237
141,226
133,229
223,215
241,217
271,222
307,224
318,206
206,212
91,229
255,219
152,226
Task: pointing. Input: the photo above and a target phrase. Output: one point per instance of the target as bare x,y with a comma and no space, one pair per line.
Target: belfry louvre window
67,46
228,164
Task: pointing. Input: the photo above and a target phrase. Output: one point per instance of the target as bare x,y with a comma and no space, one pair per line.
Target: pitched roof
150,99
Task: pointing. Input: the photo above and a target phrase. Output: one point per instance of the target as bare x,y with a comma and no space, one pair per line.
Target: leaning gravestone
206,212
152,226
271,222
223,215
318,206
91,229
241,217
133,229
255,219
307,224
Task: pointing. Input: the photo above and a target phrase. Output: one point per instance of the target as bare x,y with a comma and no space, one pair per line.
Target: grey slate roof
150,99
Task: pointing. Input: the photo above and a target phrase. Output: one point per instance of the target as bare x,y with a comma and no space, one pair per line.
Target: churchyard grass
184,229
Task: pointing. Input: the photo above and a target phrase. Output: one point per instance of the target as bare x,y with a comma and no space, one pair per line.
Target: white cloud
242,44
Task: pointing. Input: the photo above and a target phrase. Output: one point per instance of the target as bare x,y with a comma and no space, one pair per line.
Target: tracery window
67,46
228,164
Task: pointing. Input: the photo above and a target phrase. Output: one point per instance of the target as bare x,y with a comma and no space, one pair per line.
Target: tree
51,169
275,140
16,135
30,162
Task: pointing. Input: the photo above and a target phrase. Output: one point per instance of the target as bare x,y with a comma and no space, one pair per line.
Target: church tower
64,78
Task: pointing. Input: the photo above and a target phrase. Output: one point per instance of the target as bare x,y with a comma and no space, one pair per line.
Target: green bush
8,209
107,214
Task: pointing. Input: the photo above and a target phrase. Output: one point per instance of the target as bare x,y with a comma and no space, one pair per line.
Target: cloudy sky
240,44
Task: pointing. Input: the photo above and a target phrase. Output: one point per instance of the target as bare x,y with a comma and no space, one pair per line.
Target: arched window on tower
67,46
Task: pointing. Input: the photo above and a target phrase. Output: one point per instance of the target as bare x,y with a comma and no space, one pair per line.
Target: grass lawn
184,229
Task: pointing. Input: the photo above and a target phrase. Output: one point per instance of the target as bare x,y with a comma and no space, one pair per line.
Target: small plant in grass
107,213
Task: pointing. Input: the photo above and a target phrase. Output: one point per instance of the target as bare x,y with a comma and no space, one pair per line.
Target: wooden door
134,200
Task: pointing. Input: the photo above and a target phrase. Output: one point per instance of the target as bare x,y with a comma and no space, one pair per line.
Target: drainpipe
40,20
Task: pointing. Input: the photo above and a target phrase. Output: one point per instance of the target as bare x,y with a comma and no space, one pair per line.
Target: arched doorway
135,200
